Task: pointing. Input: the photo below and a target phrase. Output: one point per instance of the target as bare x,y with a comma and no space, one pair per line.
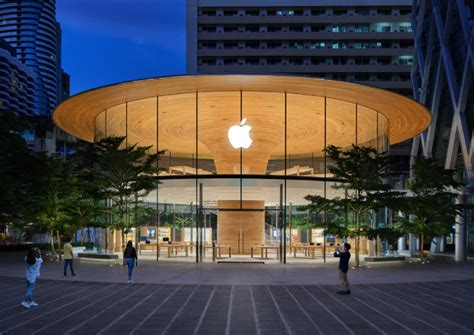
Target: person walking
68,257
130,259
344,257
33,264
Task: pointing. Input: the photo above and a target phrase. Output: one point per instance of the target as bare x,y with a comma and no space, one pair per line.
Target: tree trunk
422,241
59,244
357,240
51,237
324,245
357,245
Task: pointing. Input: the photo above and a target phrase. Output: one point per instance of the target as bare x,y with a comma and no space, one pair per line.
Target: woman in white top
33,263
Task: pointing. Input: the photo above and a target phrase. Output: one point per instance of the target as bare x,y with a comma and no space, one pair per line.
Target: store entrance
241,224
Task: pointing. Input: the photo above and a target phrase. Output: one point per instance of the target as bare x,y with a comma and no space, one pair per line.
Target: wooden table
219,248
147,246
176,246
309,250
265,248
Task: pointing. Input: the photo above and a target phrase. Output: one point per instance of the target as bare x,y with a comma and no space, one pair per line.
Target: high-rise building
364,41
31,28
16,83
443,81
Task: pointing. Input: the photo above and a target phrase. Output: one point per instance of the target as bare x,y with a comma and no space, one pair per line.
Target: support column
412,244
401,244
460,232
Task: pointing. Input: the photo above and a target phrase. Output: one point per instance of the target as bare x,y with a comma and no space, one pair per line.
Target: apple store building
240,153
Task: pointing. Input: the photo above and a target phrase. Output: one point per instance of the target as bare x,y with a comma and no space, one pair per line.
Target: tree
124,174
363,174
430,205
54,195
16,165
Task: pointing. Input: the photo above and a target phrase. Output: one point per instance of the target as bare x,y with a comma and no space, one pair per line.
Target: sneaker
341,292
347,292
26,304
34,304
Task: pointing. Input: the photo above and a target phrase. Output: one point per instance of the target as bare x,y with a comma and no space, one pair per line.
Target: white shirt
33,270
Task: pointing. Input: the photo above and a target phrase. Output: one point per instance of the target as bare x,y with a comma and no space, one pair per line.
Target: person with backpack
33,264
130,259
344,257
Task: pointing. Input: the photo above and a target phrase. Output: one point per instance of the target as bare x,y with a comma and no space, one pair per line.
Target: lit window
339,45
339,29
405,60
362,28
317,45
405,27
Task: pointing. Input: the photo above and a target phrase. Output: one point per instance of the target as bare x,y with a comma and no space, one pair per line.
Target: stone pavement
185,298
188,273
76,307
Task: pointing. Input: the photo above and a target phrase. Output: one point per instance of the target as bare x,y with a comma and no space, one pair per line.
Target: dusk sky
109,41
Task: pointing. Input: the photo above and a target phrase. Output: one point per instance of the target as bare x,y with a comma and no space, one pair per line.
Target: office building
16,83
443,81
365,41
31,28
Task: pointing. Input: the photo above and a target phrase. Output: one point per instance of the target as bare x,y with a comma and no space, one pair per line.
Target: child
33,263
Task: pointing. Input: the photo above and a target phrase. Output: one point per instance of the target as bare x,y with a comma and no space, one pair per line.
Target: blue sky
108,41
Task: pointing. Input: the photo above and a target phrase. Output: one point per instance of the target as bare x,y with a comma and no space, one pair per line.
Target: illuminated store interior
240,154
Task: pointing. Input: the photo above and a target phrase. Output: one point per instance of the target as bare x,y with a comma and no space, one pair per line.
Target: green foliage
363,175
389,234
124,174
16,164
182,221
429,207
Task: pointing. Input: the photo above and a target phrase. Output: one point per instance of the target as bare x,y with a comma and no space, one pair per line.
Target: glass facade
243,200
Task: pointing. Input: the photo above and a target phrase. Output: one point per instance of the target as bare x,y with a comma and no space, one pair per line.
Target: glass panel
100,126
218,112
366,127
340,125
177,133
304,238
177,197
264,115
117,121
382,139
305,135
142,123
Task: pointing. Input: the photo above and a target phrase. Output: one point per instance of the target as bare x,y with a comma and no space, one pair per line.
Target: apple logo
239,136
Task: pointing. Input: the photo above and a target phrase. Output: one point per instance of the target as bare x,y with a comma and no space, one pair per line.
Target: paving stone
79,307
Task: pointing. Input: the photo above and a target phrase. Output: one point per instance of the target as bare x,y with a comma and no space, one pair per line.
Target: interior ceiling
219,107
264,111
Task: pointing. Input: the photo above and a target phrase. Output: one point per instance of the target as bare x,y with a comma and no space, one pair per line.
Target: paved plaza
75,307
184,298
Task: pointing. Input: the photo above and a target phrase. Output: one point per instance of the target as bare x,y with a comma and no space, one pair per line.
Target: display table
264,249
307,249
